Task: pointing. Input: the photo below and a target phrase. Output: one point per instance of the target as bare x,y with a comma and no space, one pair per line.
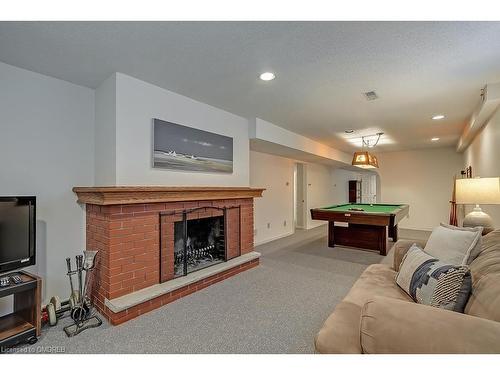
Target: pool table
366,225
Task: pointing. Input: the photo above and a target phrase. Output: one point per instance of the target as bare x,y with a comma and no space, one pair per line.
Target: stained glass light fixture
364,158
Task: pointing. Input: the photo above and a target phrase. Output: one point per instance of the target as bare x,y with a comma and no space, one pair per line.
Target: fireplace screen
198,243
195,238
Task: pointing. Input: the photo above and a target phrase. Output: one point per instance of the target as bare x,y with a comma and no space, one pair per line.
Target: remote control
16,279
4,281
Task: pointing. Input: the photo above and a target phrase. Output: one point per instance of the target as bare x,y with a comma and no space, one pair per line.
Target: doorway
369,188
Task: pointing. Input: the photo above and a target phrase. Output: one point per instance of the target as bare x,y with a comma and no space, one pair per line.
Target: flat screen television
17,232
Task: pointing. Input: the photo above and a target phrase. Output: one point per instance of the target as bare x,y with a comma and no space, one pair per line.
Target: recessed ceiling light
438,117
267,76
434,139
349,131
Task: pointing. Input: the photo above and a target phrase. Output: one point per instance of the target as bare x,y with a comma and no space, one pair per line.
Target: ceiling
418,69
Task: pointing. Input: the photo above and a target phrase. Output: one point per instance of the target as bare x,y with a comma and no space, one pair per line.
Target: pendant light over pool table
364,158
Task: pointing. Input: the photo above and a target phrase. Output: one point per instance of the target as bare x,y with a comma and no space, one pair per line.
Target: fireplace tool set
79,304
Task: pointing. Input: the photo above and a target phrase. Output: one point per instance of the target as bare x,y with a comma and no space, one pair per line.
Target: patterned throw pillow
432,282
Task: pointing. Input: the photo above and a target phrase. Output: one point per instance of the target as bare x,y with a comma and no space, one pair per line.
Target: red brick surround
127,237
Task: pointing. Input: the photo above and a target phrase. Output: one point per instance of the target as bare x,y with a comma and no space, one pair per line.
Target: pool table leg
393,232
382,245
331,234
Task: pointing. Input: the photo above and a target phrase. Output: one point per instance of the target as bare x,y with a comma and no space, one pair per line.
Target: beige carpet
277,307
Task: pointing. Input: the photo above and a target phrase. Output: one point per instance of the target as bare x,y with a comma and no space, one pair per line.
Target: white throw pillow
454,244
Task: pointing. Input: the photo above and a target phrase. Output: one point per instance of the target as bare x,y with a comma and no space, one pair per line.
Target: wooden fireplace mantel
110,195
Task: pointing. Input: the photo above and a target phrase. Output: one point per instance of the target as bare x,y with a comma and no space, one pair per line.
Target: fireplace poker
79,266
70,275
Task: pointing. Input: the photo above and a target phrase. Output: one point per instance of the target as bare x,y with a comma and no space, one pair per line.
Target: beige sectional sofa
376,316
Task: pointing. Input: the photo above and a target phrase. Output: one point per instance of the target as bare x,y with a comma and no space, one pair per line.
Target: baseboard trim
317,224
274,238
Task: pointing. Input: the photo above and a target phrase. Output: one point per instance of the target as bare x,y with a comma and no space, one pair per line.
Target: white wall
423,179
138,102
47,148
483,155
275,174
105,132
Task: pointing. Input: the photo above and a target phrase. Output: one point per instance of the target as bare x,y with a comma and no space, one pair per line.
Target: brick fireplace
158,244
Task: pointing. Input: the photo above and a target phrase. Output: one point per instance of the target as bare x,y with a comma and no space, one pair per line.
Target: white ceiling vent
370,95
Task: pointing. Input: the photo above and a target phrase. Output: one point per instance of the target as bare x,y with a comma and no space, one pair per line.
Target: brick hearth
123,224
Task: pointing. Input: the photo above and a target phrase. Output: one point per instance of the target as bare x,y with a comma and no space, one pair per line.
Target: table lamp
478,191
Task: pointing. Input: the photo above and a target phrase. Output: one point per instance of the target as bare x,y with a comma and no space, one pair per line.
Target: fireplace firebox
199,238
198,243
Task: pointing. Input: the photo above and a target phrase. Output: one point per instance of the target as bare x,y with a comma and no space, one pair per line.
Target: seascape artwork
183,148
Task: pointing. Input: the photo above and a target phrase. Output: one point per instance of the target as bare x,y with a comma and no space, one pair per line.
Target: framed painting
180,147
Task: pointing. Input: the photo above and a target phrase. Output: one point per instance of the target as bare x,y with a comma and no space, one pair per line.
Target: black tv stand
24,323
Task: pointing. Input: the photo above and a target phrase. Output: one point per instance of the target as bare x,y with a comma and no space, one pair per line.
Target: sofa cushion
455,245
484,301
389,326
340,332
376,280
488,260
432,282
400,248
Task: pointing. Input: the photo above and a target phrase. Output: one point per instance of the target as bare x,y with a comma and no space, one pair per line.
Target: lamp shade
478,190
364,159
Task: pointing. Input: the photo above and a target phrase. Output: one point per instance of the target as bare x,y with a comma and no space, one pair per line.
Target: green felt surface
377,208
